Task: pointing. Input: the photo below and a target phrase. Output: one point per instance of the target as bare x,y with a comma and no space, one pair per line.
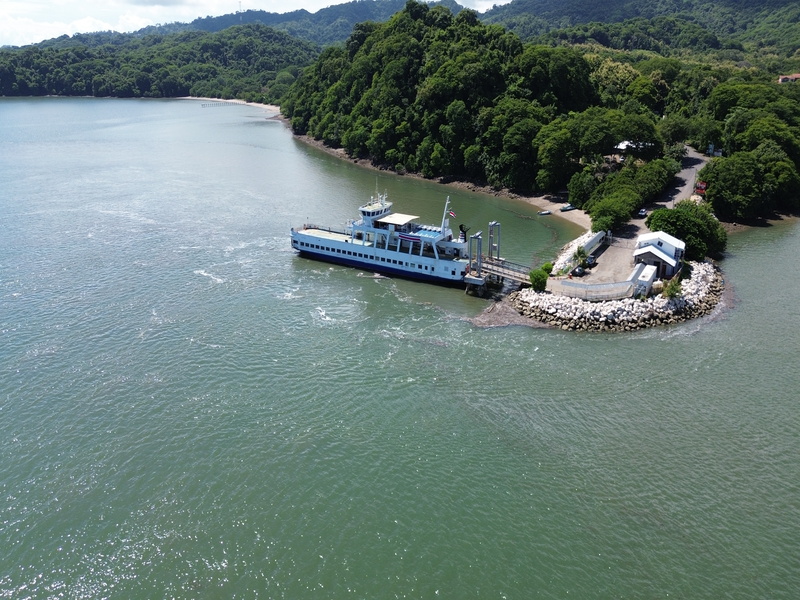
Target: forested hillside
249,62
722,17
327,26
763,32
447,96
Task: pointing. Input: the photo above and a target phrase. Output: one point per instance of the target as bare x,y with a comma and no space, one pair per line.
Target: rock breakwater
700,294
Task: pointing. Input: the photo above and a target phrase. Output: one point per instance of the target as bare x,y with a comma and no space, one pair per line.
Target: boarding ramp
505,269
492,265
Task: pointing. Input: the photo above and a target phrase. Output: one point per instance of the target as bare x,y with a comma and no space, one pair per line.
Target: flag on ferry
408,238
452,214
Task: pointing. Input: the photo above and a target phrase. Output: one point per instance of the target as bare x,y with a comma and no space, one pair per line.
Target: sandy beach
541,202
266,107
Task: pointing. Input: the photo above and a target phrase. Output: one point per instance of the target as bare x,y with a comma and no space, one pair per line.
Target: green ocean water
190,410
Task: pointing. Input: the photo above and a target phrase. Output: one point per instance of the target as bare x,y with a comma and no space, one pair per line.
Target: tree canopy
447,96
695,224
249,62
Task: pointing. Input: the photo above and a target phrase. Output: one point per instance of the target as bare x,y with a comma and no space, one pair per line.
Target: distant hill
773,23
325,27
766,27
722,16
762,33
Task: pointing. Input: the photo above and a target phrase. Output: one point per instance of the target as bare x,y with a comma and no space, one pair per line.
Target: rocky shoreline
700,295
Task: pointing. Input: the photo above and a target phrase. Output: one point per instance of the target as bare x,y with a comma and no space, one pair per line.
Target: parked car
642,212
578,272
591,260
700,188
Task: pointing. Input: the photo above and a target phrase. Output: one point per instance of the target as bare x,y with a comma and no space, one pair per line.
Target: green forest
450,97
535,96
763,33
248,62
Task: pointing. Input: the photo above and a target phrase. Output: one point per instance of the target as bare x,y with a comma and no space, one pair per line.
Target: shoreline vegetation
701,296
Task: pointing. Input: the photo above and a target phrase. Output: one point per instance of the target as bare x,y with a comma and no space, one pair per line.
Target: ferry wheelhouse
392,243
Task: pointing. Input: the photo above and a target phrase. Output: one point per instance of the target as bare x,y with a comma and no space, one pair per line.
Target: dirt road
615,262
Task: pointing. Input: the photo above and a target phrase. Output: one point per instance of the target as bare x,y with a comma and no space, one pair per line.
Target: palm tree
580,256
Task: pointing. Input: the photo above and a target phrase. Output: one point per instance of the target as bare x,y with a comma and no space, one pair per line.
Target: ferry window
419,266
453,272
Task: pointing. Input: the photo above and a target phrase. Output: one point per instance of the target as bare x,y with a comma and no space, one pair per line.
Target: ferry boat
392,243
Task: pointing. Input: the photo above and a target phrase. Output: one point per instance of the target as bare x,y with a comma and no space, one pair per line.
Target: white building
661,250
